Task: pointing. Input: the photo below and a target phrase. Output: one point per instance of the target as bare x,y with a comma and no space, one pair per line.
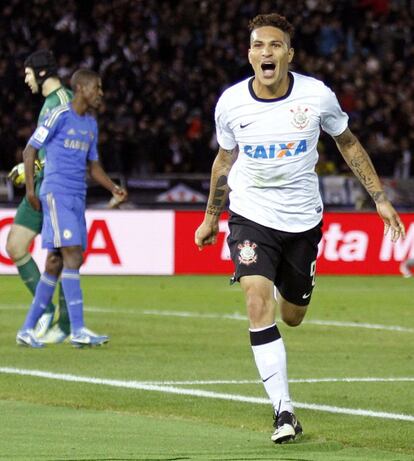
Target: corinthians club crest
300,117
247,253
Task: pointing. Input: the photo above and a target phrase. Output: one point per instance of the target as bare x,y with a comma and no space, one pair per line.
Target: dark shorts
288,259
27,216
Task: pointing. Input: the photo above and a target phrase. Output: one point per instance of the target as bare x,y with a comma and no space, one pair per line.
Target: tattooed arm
206,234
360,163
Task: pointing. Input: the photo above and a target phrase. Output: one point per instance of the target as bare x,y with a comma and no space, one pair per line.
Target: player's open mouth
268,69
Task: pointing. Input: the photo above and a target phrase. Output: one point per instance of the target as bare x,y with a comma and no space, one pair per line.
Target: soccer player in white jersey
271,122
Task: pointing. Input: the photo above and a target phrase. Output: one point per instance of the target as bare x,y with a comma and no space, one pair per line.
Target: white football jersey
273,181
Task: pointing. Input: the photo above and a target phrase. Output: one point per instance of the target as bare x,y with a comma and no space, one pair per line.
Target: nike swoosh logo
246,124
306,295
271,376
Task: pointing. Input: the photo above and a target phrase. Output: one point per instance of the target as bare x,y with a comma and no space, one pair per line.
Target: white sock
270,356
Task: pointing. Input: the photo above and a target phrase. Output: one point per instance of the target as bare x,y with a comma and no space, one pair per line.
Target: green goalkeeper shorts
26,215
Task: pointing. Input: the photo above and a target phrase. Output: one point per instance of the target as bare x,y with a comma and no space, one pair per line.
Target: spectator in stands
166,53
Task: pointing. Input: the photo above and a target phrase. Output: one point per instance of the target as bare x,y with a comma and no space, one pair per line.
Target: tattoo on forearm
213,210
218,196
221,181
362,176
361,164
217,201
364,170
379,196
220,192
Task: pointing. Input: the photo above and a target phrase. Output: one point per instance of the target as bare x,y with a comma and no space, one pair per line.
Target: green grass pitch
164,386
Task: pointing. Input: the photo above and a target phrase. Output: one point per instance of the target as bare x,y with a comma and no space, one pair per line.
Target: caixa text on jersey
280,150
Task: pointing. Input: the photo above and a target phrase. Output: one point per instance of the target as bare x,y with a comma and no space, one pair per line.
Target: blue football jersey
70,141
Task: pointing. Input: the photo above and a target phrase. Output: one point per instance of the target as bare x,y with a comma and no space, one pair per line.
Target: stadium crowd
164,64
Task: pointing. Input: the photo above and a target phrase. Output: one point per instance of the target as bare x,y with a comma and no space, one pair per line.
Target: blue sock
74,299
43,296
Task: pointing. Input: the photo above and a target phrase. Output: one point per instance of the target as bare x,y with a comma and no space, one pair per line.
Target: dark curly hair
272,20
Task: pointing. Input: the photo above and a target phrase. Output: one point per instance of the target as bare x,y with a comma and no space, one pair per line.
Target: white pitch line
352,380
369,326
200,393
235,316
293,380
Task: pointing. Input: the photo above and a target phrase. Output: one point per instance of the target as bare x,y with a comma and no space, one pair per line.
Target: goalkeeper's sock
44,293
29,272
74,298
63,319
30,275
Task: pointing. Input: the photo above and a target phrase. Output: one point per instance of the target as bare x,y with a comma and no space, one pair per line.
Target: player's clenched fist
206,234
119,195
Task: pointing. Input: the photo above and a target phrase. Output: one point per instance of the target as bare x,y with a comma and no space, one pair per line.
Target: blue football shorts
64,223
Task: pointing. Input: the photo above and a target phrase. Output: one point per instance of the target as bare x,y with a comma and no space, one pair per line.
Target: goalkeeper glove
17,175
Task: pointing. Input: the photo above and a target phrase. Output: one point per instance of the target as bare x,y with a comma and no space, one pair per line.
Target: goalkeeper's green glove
17,175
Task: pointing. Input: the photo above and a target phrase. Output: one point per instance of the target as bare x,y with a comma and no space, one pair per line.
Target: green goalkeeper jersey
58,97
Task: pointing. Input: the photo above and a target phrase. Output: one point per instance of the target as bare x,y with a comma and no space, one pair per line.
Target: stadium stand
164,63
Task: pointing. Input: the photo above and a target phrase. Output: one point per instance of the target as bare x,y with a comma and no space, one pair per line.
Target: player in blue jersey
41,76
69,136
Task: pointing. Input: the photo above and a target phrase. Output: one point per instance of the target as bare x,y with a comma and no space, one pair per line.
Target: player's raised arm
29,157
206,234
360,163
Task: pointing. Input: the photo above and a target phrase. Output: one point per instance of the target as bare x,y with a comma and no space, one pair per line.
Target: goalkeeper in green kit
40,70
